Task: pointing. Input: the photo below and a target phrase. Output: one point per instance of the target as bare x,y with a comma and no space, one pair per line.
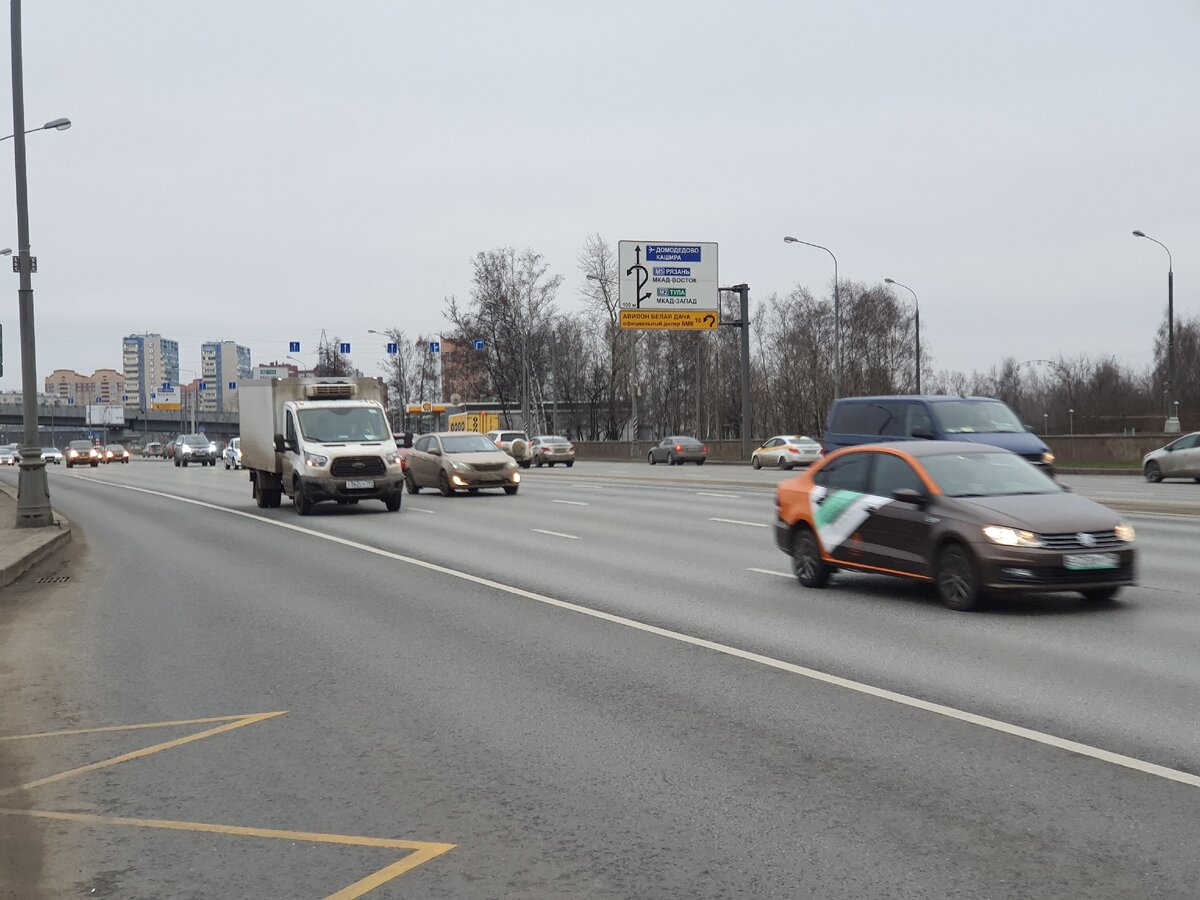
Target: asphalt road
602,687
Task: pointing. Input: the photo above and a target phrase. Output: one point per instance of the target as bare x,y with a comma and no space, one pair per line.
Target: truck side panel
258,426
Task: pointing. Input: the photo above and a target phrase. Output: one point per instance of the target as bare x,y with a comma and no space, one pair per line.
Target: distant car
195,448
678,449
7,456
971,519
460,460
786,451
154,448
169,450
115,453
233,454
52,455
1178,459
82,453
514,443
548,449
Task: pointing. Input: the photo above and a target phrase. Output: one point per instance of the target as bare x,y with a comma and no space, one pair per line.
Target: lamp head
888,281
7,251
1139,234
58,124
788,239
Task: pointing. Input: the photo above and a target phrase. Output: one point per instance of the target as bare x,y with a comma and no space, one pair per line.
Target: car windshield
194,440
49,449
80,445
976,417
987,475
467,443
329,425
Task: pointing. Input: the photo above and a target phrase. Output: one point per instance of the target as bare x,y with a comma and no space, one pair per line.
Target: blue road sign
233,385
166,386
343,348
435,346
203,386
70,401
124,398
478,344
392,348
294,347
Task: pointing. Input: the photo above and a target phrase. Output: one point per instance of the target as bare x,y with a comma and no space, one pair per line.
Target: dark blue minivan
978,420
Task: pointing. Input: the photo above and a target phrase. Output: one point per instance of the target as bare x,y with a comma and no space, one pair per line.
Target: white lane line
571,502
714,494
739,522
573,537
428,512
770,572
949,712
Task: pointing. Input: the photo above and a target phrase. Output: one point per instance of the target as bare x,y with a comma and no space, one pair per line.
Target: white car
786,451
52,455
514,443
1179,459
233,454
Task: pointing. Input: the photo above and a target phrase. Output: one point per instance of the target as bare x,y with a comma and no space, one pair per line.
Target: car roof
921,449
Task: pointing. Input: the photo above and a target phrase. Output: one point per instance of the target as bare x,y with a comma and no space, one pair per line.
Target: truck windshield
353,423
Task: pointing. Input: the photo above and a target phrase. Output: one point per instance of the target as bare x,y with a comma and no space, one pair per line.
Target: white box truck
318,439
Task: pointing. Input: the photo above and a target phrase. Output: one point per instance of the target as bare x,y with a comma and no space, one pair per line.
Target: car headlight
1011,537
212,448
185,450
1124,532
392,458
516,477
315,460
1048,458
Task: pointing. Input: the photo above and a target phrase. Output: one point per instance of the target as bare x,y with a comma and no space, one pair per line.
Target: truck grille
353,466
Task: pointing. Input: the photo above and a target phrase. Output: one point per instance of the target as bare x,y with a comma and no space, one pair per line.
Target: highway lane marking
770,572
571,502
239,722
715,494
422,851
139,727
739,522
860,687
417,509
573,537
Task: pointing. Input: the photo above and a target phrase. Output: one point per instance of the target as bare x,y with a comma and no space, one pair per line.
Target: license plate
1078,561
359,485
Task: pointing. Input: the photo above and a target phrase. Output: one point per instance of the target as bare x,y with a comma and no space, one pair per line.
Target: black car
195,448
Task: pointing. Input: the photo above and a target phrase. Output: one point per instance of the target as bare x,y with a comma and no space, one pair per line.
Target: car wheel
1153,473
670,458
94,465
572,462
410,483
783,463
473,490
699,462
538,463
444,485
511,489
1100,595
524,464
300,500
226,467
957,579
650,458
393,502
177,463
810,570
755,462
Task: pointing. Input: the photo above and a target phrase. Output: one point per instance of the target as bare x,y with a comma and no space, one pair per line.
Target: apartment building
149,360
222,365
104,386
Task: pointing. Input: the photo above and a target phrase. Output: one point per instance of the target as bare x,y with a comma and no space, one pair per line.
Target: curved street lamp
1172,425
837,316
56,124
917,321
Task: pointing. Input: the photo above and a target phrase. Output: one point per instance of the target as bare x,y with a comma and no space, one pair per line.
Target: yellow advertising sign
669,319
165,406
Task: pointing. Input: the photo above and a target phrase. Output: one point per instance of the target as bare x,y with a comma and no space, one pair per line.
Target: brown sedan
459,460
971,519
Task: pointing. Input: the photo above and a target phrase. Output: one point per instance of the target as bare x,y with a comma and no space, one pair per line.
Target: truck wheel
411,483
274,498
300,500
393,502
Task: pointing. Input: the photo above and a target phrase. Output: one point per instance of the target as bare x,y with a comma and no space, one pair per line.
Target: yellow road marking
138,727
423,851
147,751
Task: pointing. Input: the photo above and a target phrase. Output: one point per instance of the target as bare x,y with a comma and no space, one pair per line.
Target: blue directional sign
70,401
478,344
233,385
435,346
294,347
203,386
392,348
124,398
166,386
343,348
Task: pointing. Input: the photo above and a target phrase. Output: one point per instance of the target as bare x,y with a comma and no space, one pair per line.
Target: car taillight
678,448
704,449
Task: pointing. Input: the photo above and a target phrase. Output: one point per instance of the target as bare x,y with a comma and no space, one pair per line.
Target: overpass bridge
58,424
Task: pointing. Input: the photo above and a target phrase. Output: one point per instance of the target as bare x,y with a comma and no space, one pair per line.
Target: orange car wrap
836,515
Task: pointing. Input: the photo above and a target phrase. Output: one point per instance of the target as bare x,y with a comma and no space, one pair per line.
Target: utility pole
743,292
33,489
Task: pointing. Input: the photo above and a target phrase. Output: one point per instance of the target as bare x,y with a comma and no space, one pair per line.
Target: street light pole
837,316
33,489
917,323
1172,424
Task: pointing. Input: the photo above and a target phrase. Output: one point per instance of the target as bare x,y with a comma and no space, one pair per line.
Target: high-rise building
222,365
149,360
104,386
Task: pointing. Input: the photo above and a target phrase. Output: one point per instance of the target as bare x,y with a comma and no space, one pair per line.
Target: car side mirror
434,451
923,434
908,495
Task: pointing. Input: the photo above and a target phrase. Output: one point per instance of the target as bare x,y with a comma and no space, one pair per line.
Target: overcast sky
259,171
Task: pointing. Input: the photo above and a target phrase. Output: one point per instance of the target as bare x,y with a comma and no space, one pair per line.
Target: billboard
101,414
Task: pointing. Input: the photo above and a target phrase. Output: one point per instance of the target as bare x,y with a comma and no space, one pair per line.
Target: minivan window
884,418
976,417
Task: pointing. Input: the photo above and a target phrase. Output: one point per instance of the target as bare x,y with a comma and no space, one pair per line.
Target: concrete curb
23,548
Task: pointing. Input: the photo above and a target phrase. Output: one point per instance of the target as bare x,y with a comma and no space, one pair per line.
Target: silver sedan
1179,459
786,451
